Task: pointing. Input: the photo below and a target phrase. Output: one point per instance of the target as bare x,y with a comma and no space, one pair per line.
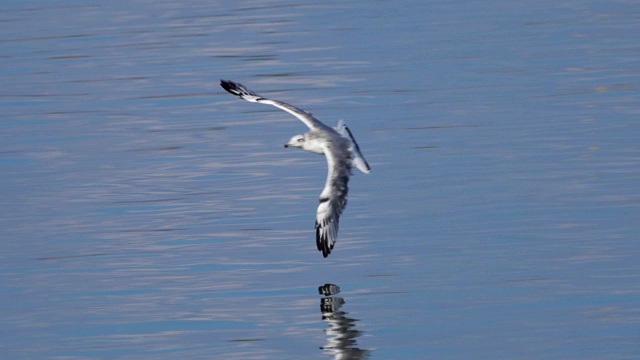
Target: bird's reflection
341,331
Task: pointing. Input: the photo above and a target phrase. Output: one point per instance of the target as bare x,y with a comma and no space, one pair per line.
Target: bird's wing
333,199
245,94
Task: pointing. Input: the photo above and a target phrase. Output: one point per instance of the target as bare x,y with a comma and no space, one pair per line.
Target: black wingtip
233,88
239,90
318,239
227,85
322,243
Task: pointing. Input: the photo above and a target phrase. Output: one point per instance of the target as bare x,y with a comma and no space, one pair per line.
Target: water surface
146,214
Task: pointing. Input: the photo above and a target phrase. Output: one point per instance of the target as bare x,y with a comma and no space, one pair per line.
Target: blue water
147,214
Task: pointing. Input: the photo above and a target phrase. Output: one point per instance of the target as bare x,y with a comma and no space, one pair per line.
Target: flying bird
338,146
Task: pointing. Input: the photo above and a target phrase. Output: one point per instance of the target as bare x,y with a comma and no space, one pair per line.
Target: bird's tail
358,158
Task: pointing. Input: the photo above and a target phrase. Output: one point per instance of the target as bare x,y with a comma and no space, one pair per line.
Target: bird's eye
300,140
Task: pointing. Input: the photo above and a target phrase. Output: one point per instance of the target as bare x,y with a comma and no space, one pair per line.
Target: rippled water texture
147,214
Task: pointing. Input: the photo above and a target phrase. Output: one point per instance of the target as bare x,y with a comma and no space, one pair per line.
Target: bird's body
342,153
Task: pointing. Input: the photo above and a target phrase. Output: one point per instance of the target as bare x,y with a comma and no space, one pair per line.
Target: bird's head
296,141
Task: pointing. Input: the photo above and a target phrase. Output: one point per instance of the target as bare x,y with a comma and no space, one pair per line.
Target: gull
338,146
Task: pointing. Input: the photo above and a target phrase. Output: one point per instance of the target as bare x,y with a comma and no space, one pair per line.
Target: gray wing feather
333,200
248,95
